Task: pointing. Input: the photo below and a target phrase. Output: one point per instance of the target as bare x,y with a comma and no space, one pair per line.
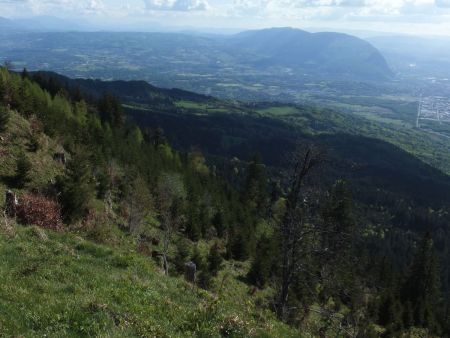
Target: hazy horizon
414,17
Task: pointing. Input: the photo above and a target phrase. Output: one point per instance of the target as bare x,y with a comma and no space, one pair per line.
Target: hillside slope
134,91
96,275
103,178
335,54
60,285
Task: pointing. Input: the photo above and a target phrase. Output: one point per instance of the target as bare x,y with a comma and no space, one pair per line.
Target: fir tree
23,168
255,193
181,256
205,279
193,229
4,118
238,246
198,259
262,263
77,188
219,224
25,74
391,313
214,259
111,111
422,287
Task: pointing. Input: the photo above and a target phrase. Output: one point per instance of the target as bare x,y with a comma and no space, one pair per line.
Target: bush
39,210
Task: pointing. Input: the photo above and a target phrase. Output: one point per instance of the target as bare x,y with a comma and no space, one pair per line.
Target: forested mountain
127,91
319,53
40,24
5,23
332,232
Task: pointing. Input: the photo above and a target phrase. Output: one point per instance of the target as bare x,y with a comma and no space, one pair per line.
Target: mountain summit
318,53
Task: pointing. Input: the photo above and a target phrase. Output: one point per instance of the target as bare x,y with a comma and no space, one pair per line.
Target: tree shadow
10,181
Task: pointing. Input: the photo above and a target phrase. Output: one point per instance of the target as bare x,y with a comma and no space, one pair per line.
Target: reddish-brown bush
39,210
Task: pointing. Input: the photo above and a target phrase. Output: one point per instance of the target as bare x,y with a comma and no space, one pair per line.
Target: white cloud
177,5
56,7
326,10
244,13
442,3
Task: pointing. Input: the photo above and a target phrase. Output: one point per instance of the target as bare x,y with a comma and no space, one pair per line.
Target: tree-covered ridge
302,250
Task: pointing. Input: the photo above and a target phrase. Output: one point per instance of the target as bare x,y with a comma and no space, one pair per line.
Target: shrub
39,210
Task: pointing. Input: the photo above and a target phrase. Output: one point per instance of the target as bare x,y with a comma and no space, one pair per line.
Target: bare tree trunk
291,228
166,244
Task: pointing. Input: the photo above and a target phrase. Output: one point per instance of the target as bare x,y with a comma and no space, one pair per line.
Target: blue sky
412,16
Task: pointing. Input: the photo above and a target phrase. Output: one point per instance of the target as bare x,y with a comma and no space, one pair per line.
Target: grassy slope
58,284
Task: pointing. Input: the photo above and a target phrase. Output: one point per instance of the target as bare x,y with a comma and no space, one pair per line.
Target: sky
431,17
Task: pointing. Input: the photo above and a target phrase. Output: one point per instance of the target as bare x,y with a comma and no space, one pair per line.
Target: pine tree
193,229
205,279
23,168
77,188
262,263
391,312
422,287
238,245
25,74
255,193
214,259
181,256
219,224
339,219
111,111
4,118
198,259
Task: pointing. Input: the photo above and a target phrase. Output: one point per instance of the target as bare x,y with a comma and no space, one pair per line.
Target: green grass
200,108
430,148
278,110
191,105
60,285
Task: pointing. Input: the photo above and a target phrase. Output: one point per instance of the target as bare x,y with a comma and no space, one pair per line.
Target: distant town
434,108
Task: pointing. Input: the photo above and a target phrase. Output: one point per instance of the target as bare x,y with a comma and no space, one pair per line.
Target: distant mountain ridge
43,23
5,23
332,53
275,58
134,91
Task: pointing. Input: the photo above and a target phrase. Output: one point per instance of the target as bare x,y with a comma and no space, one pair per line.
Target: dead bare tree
315,236
294,230
170,192
140,204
